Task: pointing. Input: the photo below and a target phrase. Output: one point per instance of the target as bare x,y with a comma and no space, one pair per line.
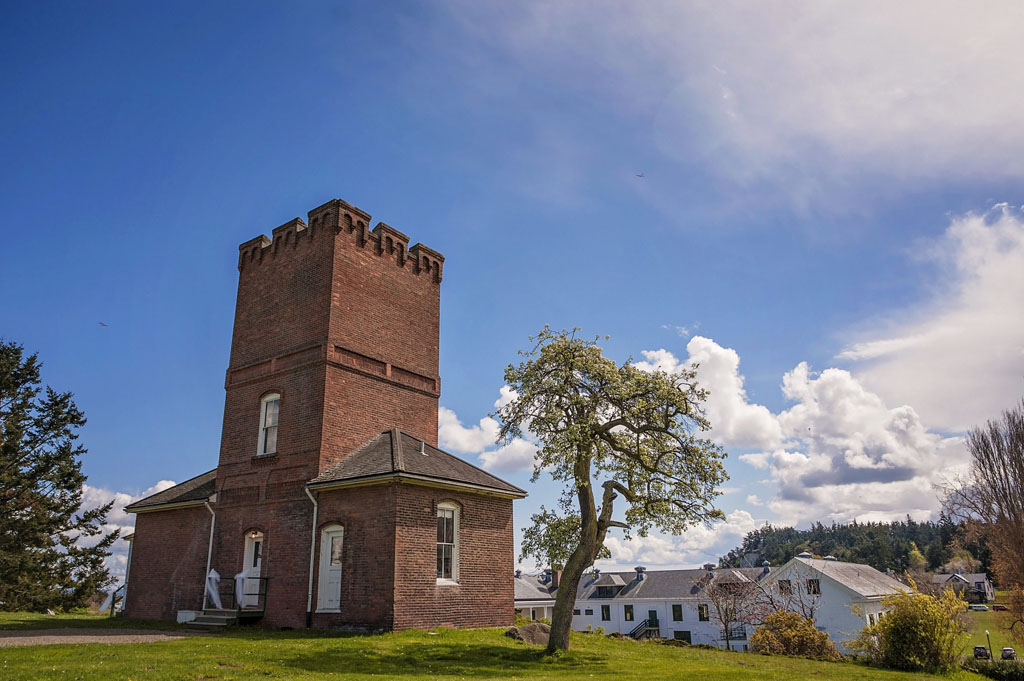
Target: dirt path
41,637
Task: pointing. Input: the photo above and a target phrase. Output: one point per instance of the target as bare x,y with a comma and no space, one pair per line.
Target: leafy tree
550,537
789,633
918,632
627,432
42,562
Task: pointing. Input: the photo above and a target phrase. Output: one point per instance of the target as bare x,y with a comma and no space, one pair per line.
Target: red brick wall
368,556
283,298
285,524
484,595
358,408
168,563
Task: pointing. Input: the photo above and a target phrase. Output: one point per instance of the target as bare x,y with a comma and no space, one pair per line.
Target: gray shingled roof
396,453
969,577
655,584
531,588
198,488
864,580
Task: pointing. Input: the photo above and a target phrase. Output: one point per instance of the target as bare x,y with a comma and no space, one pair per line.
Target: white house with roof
663,603
535,594
973,587
844,598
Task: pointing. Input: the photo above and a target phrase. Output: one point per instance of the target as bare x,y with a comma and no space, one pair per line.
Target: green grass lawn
991,621
252,653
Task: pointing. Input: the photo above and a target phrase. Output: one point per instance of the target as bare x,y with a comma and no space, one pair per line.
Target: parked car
1009,654
998,606
978,606
981,653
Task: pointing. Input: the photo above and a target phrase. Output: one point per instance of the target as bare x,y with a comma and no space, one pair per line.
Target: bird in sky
640,175
102,324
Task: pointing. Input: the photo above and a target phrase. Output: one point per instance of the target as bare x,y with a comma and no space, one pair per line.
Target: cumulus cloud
117,519
698,545
839,452
515,457
959,356
735,421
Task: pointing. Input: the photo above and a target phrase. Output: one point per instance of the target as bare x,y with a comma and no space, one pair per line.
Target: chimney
547,576
766,567
709,566
556,575
640,570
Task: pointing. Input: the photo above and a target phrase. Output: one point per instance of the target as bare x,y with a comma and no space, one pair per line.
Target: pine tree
51,551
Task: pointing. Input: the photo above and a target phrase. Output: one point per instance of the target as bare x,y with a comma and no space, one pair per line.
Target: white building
665,603
843,597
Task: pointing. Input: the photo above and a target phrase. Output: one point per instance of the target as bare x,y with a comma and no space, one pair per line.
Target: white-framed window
447,542
270,406
813,587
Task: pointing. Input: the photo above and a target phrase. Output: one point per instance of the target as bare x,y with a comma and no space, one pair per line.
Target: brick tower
330,421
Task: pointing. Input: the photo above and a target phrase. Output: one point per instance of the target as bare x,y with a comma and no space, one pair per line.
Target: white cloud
515,457
839,452
697,545
117,519
734,420
454,437
958,357
806,99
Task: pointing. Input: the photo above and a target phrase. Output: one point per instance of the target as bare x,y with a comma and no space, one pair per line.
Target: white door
252,568
329,584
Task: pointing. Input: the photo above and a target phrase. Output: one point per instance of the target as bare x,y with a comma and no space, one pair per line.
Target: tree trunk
565,600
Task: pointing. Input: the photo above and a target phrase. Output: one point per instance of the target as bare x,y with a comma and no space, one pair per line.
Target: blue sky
828,217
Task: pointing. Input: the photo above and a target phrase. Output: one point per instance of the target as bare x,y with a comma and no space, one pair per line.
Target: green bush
918,632
997,669
787,633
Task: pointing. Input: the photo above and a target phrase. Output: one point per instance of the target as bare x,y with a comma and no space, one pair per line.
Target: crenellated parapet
342,219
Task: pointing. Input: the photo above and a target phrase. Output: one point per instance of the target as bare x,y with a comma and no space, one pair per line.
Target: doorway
329,585
252,568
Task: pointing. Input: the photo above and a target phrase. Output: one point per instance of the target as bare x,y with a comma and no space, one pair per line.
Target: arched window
269,408
447,542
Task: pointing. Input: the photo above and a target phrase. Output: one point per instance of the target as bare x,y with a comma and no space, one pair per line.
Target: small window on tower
269,408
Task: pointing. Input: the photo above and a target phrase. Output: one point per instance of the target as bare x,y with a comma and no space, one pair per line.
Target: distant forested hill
884,546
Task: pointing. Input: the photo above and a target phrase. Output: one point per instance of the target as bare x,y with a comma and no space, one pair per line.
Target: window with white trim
447,543
270,406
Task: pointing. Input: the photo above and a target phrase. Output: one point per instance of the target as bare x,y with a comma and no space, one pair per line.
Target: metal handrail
646,629
230,600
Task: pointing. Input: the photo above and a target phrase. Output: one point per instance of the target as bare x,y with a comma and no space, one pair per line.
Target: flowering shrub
919,632
787,633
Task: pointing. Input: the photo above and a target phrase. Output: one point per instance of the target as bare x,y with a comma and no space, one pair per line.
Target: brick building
331,503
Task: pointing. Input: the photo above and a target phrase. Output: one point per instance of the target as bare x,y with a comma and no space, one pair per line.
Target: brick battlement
339,217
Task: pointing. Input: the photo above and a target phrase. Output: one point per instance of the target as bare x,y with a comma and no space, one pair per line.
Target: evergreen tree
51,551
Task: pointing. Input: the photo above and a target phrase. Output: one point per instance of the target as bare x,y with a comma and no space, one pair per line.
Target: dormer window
269,408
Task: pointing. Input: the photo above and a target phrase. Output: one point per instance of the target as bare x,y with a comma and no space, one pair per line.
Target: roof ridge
397,459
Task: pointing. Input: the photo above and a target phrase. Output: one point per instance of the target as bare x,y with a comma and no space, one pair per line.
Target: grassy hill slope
413,655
